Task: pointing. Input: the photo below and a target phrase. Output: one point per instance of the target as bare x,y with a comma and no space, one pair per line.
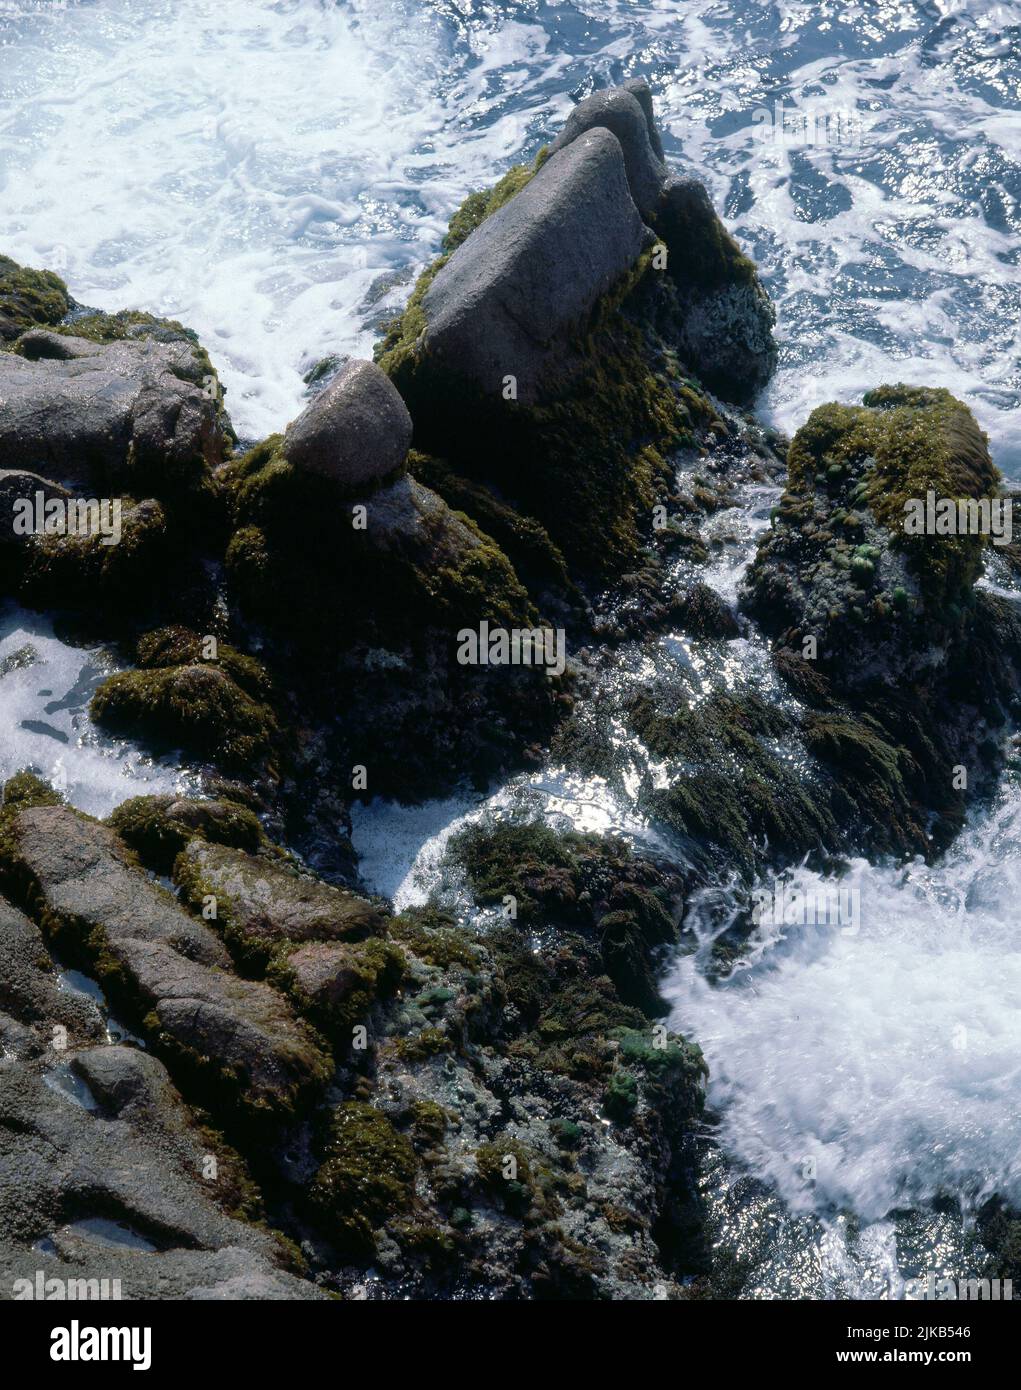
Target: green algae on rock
890,622
29,299
367,1177
158,828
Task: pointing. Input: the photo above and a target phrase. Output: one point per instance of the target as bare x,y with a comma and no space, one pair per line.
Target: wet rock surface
356,432
105,1174
534,268
132,414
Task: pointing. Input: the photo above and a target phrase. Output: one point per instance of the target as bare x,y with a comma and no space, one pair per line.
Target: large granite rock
629,118
642,93
128,414
504,301
356,432
726,320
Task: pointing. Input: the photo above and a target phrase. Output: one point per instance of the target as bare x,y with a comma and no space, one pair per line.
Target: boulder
128,414
726,323
104,1172
266,904
169,968
642,93
727,318
630,118
356,432
503,302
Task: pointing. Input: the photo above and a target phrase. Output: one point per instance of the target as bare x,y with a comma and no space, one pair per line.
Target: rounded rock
356,432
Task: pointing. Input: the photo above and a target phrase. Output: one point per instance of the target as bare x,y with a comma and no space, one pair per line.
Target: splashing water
273,172
45,688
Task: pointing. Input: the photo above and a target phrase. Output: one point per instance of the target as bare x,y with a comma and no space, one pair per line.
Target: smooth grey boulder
624,113
117,412
501,305
356,432
642,93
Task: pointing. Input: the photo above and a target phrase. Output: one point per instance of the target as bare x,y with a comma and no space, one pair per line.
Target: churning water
264,171
274,174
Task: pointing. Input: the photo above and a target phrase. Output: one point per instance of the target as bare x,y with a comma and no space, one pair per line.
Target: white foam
248,167
44,696
253,167
890,1059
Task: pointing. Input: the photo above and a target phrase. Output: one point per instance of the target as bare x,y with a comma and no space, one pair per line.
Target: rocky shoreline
309,1094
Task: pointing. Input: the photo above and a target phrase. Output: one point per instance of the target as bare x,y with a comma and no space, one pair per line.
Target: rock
198,707
643,95
502,303
241,1035
337,983
170,969
85,877
264,905
157,828
727,319
87,572
701,611
104,1172
16,485
295,565
356,432
28,297
30,995
232,1273
630,118
128,414
916,667
837,562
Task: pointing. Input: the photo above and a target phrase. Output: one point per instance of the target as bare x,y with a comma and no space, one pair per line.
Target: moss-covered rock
159,827
483,203
263,905
625,907
297,559
589,460
29,298
337,984
25,789
909,668
839,564
367,1176
198,708
86,571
